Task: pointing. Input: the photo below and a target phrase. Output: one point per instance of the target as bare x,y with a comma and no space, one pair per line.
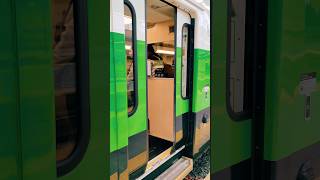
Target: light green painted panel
138,121
119,116
293,49
182,105
113,113
231,141
201,79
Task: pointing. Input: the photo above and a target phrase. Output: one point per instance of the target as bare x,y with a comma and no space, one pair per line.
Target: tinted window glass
184,62
237,27
240,59
130,56
65,71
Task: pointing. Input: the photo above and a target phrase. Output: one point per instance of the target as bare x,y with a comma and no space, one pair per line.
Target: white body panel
182,18
139,8
200,11
116,16
117,20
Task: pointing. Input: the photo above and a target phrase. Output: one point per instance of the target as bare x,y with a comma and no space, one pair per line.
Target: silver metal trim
161,162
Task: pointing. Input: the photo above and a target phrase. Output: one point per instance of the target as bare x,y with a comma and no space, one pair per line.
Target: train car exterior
130,129
276,135
53,59
32,146
291,127
265,90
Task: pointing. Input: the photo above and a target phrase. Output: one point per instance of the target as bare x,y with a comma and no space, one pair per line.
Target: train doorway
160,79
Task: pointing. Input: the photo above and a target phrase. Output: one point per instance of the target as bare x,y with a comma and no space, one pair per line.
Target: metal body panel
122,127
293,50
232,140
10,151
36,86
29,120
125,131
138,121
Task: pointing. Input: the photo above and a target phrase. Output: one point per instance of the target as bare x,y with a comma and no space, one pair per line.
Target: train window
184,62
129,23
71,82
238,77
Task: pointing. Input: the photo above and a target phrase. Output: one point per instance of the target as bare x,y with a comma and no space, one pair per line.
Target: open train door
192,123
168,52
183,78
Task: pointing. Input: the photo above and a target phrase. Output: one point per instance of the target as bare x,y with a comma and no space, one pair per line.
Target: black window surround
246,112
134,49
82,56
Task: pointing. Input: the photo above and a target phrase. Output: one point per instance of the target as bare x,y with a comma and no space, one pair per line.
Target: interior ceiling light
160,51
128,47
127,20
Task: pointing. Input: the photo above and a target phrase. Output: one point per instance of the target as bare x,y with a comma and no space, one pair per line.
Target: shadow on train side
267,92
53,121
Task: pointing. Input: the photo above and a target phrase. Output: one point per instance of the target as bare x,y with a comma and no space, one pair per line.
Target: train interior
160,77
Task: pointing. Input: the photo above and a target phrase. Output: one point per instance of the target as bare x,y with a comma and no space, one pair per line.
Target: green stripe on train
201,78
138,121
118,99
121,127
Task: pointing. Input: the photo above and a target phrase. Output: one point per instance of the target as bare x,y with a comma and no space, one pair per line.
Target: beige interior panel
160,107
160,33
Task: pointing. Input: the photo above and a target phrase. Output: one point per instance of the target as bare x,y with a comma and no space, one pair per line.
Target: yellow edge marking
178,136
114,176
124,175
158,158
137,161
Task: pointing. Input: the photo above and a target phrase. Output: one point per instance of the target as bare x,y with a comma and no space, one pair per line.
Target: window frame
246,113
189,48
80,15
135,57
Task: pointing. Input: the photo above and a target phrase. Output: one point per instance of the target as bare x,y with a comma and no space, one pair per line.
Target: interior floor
157,146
